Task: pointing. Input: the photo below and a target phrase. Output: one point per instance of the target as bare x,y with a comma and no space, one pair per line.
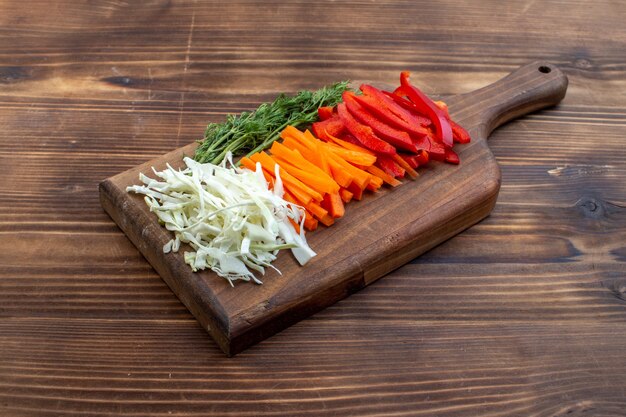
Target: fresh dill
251,132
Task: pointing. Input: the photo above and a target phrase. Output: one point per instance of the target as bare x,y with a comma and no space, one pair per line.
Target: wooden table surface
521,315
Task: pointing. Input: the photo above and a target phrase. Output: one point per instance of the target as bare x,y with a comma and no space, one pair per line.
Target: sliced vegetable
397,138
232,221
388,165
364,134
399,99
384,176
325,112
426,106
459,134
333,126
392,107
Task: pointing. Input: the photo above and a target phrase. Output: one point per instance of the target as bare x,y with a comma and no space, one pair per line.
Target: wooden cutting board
378,234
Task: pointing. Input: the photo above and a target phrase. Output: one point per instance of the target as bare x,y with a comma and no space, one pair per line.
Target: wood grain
521,315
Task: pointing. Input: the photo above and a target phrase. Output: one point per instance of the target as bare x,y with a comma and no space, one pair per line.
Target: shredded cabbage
228,215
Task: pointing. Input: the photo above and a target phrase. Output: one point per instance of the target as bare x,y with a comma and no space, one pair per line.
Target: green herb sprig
251,132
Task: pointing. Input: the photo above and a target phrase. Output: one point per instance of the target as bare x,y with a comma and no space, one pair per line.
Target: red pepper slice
363,133
381,111
406,104
350,139
334,126
324,113
390,166
397,110
422,157
436,150
452,157
459,134
426,106
397,138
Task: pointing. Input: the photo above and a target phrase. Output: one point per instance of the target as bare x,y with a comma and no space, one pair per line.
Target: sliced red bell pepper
459,134
378,109
397,138
406,104
436,150
363,133
334,126
443,107
390,166
350,139
452,157
324,113
391,106
422,157
426,106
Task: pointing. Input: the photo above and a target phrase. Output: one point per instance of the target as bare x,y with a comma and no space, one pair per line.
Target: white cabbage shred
234,223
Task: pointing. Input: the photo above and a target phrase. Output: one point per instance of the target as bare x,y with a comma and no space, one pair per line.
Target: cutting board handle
529,88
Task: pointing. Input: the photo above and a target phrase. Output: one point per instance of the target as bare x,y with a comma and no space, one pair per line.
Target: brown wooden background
522,315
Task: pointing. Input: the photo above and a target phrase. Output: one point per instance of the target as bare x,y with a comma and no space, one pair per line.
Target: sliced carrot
376,182
357,192
293,132
342,172
268,163
400,161
321,185
305,160
312,208
334,205
301,197
383,175
309,222
316,210
296,158
322,162
294,224
354,157
249,164
327,220
339,174
360,177
346,195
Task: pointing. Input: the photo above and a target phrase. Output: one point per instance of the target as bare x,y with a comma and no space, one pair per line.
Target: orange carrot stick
309,222
294,224
327,220
346,195
360,177
383,175
400,161
249,164
357,192
268,163
354,157
323,163
311,207
334,205
296,159
341,175
321,185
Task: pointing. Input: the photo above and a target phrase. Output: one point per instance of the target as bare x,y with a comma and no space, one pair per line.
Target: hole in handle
544,69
